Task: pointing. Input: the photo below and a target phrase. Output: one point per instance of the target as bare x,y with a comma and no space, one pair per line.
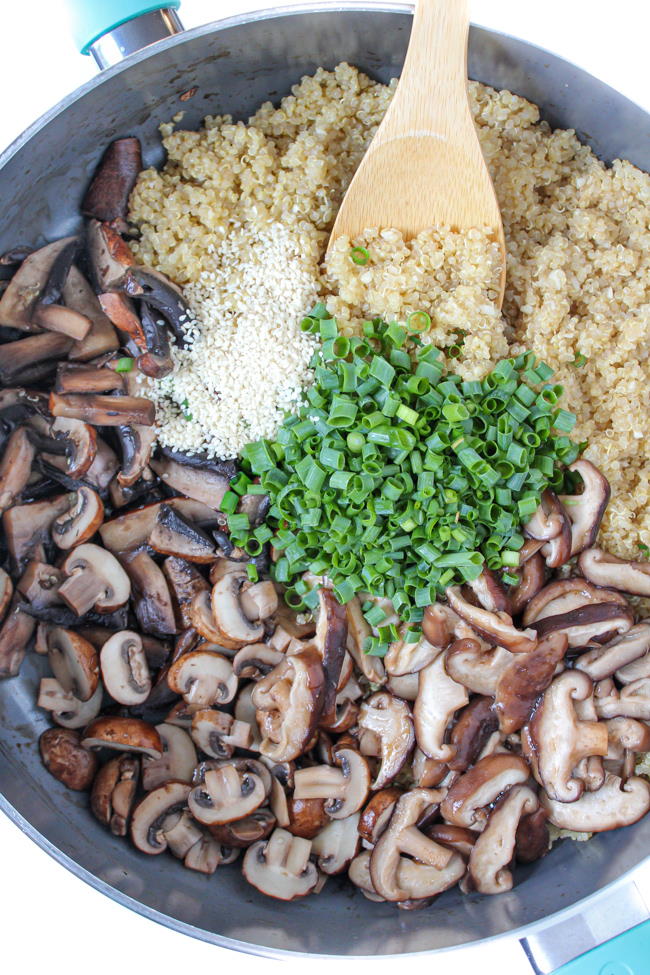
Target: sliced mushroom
104,411
177,761
229,616
74,377
359,875
494,849
532,577
218,734
289,703
15,467
604,569
110,257
256,660
586,510
151,596
597,623
524,679
490,592
25,288
184,581
330,641
102,337
123,734
601,662
409,658
260,600
6,593
551,524
405,687
375,817
626,737
306,817
15,634
457,838
33,358
337,844
39,584
125,670
532,840
389,720
497,628
427,772
113,793
104,467
203,678
473,727
203,485
74,662
107,197
614,805
280,866
67,710
246,831
161,807
345,788
359,630
559,740
172,534
182,833
131,531
439,697
81,521
27,527
468,799
226,795
66,759
95,580
632,701
477,669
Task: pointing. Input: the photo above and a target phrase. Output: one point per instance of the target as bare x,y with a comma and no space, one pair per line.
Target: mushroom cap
260,600
256,660
208,854
604,661
203,621
150,815
66,759
280,866
390,719
203,678
497,628
330,641
614,805
337,844
92,559
552,525
74,662
246,831
359,875
67,710
123,734
305,817
177,761
467,798
439,697
113,792
524,679
532,577
81,521
586,510
474,725
460,839
228,613
604,569
125,670
375,817
495,846
226,795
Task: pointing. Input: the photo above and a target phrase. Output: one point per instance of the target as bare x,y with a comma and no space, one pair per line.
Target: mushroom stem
81,591
104,411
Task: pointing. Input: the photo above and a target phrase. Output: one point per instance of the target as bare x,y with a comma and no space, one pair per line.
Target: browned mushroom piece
103,411
468,799
558,740
344,786
626,737
632,701
104,467
457,838
172,534
246,831
586,510
203,678
15,634
66,759
124,735
113,793
532,578
102,337
495,846
280,866
66,709
227,794
260,600
438,625
176,762
604,661
524,679
201,484
359,630
184,581
427,772
635,670
604,569
125,670
305,817
477,669
151,596
81,521
409,658
583,612
218,734
614,805
490,592
229,618
110,256
330,641
107,196
160,809
27,527
439,697
359,875
6,593
389,720
532,840
551,524
15,467
337,844
497,628
182,833
376,815
26,285
72,377
131,531
289,703
471,730
39,584
433,868
74,662
256,660
95,580
207,854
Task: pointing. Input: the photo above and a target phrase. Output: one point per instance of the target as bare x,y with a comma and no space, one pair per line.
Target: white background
51,921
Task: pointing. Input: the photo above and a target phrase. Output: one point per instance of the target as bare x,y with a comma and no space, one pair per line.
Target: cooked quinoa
578,271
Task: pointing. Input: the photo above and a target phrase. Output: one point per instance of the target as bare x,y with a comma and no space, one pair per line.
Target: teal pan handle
627,954
91,19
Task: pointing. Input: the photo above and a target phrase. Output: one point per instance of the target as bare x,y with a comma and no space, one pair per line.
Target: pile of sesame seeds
247,362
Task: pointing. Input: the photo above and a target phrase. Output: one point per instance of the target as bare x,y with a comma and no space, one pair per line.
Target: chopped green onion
359,255
124,365
580,361
419,321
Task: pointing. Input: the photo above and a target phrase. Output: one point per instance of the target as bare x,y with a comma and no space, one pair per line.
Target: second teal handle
90,19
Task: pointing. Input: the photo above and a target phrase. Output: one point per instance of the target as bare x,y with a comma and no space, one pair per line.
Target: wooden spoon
424,168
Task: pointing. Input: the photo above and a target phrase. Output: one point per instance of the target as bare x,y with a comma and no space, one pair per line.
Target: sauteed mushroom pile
206,718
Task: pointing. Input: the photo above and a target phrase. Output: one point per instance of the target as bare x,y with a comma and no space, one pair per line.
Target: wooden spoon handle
432,95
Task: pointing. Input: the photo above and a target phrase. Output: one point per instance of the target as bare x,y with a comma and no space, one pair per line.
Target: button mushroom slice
15,634
123,734
160,808
246,831
95,580
280,866
604,569
81,521
103,469
359,630
136,443
390,720
74,662
218,734
298,626
172,534
289,704
39,584
207,854
632,701
427,772
246,712
586,510
497,628
468,799
345,711
107,196
207,486
377,813
439,697
495,846
66,759
601,662
532,578
125,670
337,844
228,614
457,838
614,805
551,524
256,660
203,678
409,658
226,795
177,761
596,623
184,581
359,875
474,725
27,527
345,787
66,709
181,832
634,671
15,467
27,284
259,601
559,740
402,838
524,679
113,793
565,595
